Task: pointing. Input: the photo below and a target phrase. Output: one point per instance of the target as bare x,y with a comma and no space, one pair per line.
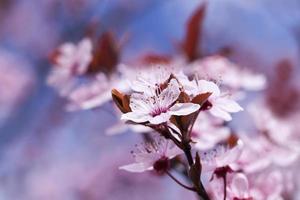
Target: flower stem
225,186
179,183
201,191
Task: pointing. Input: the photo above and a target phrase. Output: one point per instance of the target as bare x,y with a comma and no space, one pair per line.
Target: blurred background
47,153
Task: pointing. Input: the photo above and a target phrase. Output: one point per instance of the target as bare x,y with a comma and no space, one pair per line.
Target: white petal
136,167
135,117
218,112
180,109
170,94
163,117
85,45
139,86
140,103
67,48
217,187
174,127
228,105
208,86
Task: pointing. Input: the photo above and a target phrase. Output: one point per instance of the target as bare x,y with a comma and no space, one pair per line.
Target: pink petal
217,187
240,186
218,112
136,167
173,151
230,156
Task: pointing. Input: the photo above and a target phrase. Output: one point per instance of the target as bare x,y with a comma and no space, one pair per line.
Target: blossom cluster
183,108
186,108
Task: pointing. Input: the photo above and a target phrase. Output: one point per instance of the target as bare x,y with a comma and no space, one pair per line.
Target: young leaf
201,98
195,171
121,100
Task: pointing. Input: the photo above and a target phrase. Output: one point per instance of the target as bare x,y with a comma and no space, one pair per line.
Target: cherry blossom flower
154,77
267,185
72,60
220,105
94,93
221,156
154,155
275,143
75,58
259,154
160,107
218,67
208,132
279,130
148,80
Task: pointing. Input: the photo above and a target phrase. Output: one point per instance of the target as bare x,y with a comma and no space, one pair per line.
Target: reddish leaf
106,55
52,57
284,70
195,171
184,98
287,100
192,40
232,140
201,98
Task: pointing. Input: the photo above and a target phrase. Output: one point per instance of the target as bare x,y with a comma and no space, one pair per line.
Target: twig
179,183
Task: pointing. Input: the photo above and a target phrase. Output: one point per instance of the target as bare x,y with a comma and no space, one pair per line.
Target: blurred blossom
209,131
16,82
221,69
71,61
221,105
154,155
221,156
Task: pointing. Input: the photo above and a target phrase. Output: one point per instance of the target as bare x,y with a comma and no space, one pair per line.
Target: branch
179,183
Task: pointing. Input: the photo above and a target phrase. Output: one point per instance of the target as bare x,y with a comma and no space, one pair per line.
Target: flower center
162,165
222,171
158,111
